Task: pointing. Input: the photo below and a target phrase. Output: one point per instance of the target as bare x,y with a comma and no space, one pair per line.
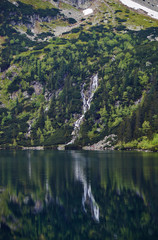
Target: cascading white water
93,87
86,99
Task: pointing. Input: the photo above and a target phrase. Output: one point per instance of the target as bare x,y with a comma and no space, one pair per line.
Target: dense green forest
41,79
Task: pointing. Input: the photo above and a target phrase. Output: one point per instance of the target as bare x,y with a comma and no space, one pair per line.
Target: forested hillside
43,78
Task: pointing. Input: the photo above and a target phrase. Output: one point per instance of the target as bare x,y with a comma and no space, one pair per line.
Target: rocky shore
107,143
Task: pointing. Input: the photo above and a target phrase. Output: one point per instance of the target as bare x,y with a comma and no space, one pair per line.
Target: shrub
71,21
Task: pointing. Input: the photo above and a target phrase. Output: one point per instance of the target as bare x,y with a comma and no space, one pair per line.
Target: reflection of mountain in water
116,192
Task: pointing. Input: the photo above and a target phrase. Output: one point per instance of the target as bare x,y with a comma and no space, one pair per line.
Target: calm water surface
78,195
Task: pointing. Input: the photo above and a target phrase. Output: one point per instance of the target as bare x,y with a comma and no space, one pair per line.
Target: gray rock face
152,4
79,3
107,143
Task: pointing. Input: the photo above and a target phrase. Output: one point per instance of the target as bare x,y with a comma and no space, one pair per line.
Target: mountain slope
45,84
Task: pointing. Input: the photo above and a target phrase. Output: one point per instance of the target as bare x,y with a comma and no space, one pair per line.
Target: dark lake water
78,195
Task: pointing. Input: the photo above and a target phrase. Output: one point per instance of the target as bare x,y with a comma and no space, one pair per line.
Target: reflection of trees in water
123,216
49,207
48,169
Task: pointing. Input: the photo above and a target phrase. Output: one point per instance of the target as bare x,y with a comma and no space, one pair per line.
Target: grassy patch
67,6
72,35
53,24
133,18
37,3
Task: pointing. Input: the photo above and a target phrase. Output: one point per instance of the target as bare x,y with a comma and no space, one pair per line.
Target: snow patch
87,11
137,6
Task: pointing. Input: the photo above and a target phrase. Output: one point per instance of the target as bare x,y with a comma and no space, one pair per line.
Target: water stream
87,98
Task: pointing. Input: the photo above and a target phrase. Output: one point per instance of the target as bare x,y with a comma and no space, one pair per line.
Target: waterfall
87,98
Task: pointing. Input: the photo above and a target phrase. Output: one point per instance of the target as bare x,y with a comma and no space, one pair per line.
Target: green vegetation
37,4
142,143
64,5
41,81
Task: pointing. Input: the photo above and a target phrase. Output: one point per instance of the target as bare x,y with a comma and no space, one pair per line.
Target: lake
78,195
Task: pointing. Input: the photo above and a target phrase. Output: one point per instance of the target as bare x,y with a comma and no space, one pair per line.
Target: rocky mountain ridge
152,4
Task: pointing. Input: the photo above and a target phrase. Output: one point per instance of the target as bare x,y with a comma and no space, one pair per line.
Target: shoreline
84,148
136,6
